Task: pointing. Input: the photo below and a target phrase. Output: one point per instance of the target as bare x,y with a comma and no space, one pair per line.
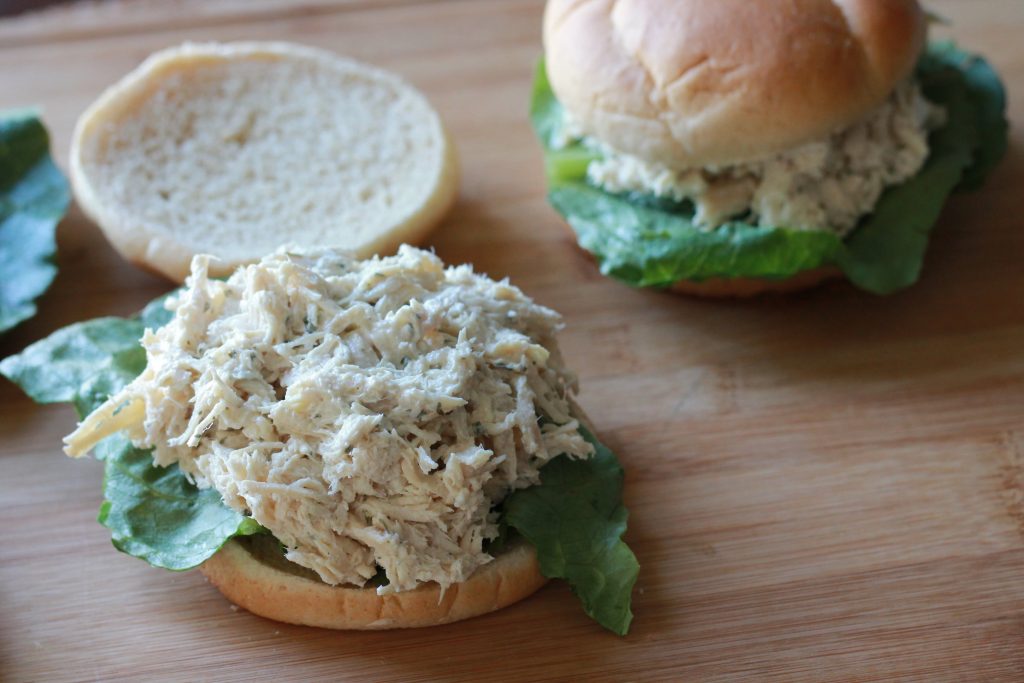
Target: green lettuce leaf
986,95
153,513
81,364
85,363
33,198
648,242
575,519
156,514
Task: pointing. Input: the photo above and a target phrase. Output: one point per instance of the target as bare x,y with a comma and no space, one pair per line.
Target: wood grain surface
822,487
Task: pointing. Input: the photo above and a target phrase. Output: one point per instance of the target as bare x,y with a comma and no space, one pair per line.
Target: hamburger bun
265,584
236,149
692,83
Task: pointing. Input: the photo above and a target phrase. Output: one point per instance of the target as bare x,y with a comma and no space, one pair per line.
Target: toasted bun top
711,82
236,149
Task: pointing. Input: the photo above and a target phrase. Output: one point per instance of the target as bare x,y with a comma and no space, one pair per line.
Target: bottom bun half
274,588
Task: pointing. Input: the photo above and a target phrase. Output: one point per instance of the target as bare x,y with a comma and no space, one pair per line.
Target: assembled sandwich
346,443
733,147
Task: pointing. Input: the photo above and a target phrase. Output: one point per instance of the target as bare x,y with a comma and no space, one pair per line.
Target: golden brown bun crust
275,594
691,83
742,287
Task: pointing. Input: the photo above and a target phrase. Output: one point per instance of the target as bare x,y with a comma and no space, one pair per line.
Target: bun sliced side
266,588
692,83
236,149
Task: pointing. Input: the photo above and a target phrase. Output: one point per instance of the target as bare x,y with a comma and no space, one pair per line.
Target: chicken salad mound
824,185
369,413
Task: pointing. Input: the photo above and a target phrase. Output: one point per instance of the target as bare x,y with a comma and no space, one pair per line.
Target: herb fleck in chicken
369,413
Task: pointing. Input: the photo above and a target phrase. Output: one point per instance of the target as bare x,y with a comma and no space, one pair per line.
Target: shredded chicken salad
828,184
368,413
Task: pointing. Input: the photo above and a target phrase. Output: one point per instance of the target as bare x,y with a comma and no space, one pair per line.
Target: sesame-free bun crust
236,149
691,83
270,592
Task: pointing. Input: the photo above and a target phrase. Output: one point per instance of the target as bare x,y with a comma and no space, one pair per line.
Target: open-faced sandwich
734,147
346,443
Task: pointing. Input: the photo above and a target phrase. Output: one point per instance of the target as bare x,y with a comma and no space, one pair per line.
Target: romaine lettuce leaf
648,242
156,514
84,363
33,198
986,95
81,364
646,246
153,513
575,519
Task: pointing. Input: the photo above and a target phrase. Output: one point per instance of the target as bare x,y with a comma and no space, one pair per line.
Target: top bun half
235,149
691,83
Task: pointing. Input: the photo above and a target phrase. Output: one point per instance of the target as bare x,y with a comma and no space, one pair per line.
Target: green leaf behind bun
648,242
33,198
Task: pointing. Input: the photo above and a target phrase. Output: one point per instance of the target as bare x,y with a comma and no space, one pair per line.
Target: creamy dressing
369,413
823,185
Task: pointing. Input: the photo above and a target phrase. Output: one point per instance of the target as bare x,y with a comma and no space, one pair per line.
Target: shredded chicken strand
369,413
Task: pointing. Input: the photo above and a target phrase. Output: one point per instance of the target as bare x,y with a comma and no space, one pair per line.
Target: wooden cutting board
822,487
